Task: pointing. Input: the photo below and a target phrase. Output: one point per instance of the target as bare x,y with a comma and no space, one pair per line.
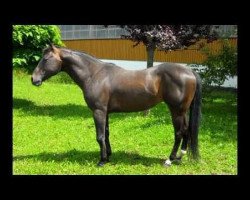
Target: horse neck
80,68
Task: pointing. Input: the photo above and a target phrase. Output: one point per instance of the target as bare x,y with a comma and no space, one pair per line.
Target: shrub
218,66
28,42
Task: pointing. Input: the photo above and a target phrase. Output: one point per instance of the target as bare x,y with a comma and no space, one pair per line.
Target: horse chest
96,97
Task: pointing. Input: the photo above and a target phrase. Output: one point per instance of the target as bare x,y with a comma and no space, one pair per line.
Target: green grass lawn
54,133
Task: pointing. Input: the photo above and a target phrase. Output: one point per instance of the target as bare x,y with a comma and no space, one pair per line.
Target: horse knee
100,139
185,130
182,132
178,135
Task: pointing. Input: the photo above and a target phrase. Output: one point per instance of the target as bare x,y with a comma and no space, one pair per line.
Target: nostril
35,81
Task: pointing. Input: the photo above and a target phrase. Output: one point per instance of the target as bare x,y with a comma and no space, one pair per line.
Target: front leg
109,151
100,122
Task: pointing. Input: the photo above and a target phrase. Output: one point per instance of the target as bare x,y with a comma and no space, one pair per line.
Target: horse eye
46,57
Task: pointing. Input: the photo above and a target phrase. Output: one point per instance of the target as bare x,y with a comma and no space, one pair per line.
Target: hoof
167,163
101,164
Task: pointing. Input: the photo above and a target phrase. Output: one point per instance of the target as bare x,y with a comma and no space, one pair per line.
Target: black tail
194,119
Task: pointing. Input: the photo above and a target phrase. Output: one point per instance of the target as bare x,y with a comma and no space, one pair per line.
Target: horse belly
127,102
135,92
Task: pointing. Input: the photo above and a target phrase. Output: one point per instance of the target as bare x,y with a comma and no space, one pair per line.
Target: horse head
49,65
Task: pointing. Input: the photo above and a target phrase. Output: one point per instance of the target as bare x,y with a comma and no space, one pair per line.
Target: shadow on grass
220,119
72,110
220,102
219,111
92,157
57,111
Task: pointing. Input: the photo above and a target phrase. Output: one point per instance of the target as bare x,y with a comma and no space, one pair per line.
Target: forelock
46,50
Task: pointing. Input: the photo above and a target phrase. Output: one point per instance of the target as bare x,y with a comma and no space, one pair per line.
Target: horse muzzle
35,82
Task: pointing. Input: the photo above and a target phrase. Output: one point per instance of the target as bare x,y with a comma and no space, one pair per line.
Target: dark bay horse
108,88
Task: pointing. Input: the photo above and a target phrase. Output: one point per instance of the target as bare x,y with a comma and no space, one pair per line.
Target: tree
218,66
167,37
29,40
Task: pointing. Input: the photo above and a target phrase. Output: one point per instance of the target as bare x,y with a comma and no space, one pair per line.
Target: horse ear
52,46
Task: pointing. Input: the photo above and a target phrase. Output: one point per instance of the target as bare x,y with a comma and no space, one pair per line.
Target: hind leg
179,121
184,139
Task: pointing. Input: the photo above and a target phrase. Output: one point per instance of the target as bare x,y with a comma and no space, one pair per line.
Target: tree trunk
150,60
150,55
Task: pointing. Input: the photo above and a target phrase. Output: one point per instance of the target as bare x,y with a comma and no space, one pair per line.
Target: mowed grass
54,133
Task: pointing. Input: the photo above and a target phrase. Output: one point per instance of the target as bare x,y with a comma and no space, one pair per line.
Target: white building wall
137,65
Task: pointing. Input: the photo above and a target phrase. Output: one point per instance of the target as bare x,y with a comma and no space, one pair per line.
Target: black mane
79,53
74,52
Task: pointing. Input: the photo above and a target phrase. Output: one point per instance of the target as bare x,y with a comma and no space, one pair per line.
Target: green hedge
29,41
219,66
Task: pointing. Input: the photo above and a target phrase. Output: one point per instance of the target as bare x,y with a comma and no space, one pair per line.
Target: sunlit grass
54,133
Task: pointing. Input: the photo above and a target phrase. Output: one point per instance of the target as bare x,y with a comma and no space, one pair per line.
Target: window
102,33
71,32
111,33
